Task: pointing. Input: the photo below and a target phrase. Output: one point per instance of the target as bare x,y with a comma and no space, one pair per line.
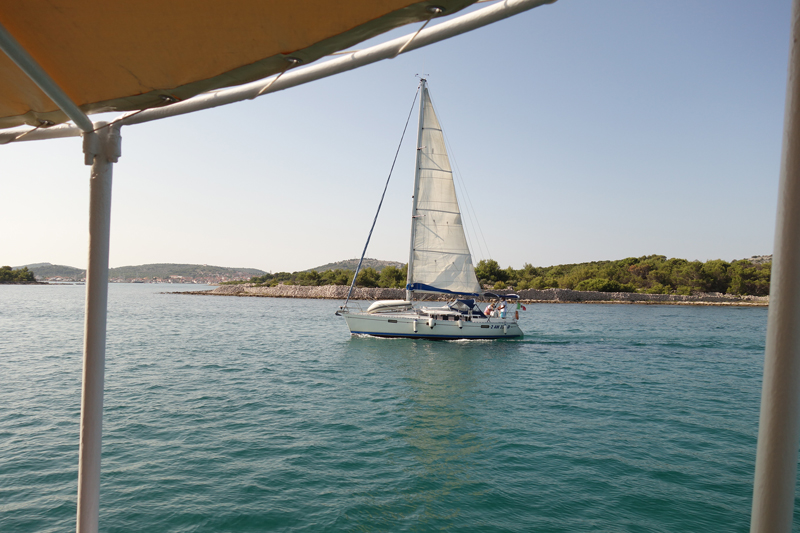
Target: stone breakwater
330,292
704,298
339,292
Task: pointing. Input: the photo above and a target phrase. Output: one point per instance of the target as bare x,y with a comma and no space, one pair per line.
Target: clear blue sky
583,130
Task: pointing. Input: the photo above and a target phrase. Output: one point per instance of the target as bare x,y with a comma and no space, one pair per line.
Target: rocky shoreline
339,292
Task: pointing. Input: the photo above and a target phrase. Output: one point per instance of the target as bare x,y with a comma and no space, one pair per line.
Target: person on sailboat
489,310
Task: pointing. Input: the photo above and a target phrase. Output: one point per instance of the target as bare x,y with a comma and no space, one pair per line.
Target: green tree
368,277
312,277
337,277
603,285
392,277
489,270
747,278
22,275
715,276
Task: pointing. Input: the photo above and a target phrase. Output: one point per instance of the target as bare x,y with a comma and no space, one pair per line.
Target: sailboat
439,260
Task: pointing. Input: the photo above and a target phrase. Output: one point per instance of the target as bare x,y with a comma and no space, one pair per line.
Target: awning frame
299,76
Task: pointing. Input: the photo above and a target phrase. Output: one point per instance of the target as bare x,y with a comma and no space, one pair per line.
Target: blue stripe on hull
431,337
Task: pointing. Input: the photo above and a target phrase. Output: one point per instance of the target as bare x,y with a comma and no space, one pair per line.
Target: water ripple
221,414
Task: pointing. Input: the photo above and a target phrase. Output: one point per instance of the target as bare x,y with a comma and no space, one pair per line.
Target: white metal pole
423,94
776,456
101,150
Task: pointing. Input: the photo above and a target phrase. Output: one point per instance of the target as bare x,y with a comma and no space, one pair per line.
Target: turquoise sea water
257,414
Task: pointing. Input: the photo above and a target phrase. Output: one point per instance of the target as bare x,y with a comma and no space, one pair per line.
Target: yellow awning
123,56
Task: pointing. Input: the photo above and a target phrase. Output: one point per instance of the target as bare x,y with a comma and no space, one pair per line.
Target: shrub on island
604,285
22,275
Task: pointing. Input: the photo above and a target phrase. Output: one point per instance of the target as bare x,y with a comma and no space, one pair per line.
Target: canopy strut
42,79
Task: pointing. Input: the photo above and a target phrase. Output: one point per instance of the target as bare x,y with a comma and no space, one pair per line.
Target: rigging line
166,99
473,218
433,10
469,232
355,276
475,221
290,62
42,124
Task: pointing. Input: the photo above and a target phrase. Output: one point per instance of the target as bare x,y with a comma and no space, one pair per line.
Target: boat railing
351,307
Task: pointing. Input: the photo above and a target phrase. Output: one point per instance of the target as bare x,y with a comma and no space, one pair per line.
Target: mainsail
440,260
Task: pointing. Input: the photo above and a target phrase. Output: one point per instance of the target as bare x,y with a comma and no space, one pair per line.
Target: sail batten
440,259
441,252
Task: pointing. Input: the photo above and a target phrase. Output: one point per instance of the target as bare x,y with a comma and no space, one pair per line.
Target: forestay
440,259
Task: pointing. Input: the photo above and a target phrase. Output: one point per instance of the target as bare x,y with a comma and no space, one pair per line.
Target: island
21,276
653,279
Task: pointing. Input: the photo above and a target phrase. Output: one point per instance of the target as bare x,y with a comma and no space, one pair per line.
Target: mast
423,95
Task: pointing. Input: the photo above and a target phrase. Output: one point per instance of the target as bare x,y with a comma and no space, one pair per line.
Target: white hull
420,327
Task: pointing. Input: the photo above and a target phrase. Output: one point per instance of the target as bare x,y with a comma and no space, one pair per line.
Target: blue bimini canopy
465,306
